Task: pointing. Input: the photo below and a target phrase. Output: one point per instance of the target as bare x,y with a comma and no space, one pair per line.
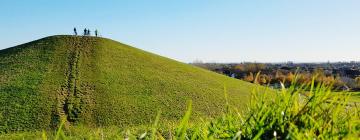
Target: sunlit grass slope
101,82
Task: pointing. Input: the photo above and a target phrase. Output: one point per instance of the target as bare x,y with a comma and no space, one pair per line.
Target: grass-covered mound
298,112
100,82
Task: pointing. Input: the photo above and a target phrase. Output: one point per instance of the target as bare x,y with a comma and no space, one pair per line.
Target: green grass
97,82
355,97
285,114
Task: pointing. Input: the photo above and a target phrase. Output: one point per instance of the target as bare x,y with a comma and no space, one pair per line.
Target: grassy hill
101,82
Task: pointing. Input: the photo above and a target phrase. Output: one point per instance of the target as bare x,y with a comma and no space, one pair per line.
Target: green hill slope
100,82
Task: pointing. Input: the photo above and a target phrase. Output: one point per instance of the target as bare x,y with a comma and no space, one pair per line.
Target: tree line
269,75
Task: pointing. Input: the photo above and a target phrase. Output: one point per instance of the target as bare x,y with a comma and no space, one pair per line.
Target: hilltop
100,82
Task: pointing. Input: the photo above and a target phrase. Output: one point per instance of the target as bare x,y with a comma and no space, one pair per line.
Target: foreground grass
305,112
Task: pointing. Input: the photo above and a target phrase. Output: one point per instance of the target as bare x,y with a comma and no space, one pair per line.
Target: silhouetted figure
75,32
96,32
89,34
85,32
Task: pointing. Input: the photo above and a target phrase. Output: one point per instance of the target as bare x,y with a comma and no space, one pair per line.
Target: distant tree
250,77
338,81
250,67
290,77
357,80
263,79
279,76
240,67
260,66
268,78
328,80
304,78
319,72
349,82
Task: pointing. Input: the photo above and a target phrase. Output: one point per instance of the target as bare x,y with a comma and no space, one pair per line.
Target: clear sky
207,30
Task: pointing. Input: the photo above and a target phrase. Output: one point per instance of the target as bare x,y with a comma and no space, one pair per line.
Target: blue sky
207,30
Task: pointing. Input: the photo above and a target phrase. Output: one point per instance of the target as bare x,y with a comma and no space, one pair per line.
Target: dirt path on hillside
75,102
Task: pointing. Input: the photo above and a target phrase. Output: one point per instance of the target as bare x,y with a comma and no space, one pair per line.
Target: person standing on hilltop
85,32
96,32
89,34
75,32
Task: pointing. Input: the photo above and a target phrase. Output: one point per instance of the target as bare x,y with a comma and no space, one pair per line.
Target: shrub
298,112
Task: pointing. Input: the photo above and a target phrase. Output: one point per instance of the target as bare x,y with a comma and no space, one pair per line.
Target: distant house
233,75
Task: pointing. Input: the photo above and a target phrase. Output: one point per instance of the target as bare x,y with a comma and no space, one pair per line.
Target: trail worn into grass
75,94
